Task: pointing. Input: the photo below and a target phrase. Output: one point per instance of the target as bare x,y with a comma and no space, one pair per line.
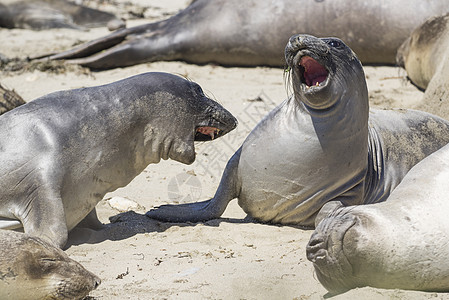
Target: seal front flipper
204,210
91,221
44,216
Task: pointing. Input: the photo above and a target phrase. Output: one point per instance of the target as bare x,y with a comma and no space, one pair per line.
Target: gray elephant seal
63,152
33,269
402,243
232,32
425,57
45,14
318,145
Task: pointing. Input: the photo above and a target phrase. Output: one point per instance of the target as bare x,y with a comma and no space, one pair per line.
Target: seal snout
217,125
316,248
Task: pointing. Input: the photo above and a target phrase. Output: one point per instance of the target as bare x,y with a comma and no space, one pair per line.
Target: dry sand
227,258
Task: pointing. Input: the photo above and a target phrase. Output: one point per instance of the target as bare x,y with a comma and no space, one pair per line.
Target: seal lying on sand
31,268
425,56
63,152
45,14
318,146
402,243
232,32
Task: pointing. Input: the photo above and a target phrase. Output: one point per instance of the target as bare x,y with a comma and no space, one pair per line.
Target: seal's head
34,269
322,69
180,114
339,250
418,53
325,248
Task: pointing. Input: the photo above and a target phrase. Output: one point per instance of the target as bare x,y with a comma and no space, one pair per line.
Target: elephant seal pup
45,14
402,243
318,145
425,57
232,32
63,152
31,268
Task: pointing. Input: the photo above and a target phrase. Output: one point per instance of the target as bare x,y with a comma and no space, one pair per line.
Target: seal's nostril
315,242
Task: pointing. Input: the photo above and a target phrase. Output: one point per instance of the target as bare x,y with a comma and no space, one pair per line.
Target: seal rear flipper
204,210
90,47
115,49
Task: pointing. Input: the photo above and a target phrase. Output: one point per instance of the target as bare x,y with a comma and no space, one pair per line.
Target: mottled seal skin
45,14
319,145
402,243
63,152
251,33
425,57
32,269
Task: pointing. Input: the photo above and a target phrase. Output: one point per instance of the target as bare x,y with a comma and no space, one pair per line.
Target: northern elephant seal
250,33
45,14
33,269
63,152
402,243
318,145
425,57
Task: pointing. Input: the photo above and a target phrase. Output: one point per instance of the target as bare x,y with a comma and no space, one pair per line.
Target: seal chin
183,152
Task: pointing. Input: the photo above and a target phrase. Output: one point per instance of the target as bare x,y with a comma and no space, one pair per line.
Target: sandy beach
226,258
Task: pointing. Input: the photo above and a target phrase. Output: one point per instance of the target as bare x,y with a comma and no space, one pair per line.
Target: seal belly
302,180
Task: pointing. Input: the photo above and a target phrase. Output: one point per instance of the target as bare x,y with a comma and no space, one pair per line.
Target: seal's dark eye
198,90
334,43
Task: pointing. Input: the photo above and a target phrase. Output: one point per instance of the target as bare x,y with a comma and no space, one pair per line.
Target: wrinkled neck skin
145,134
146,126
339,114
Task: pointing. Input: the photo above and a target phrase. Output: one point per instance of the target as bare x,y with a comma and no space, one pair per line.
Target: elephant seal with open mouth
63,152
320,145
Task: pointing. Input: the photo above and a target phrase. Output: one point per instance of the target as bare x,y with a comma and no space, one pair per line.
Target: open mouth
312,72
206,133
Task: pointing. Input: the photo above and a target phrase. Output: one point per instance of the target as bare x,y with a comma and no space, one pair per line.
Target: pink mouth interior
314,73
210,131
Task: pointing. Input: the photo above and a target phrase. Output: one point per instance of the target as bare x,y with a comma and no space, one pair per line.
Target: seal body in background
63,152
320,145
425,57
32,269
252,33
402,243
46,14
